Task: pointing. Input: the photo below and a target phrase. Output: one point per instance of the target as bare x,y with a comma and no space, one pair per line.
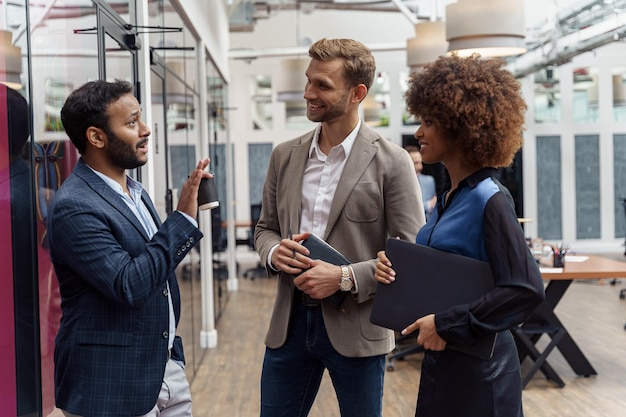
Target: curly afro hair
476,102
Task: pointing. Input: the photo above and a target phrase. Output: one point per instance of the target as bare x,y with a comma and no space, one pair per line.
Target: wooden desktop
585,267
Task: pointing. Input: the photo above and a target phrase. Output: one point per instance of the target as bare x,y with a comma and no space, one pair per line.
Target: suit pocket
364,204
368,330
104,338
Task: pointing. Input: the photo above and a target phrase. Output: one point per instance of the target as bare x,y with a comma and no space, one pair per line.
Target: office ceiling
243,14
579,25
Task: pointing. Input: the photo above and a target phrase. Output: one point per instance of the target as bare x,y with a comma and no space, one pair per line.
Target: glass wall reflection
69,44
218,119
64,56
547,99
261,97
618,84
585,105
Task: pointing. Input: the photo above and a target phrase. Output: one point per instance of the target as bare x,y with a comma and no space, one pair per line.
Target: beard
332,111
122,154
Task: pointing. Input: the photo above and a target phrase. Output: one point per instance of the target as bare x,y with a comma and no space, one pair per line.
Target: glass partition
119,61
376,103
407,118
618,85
547,99
175,100
261,96
66,51
64,56
19,373
217,120
585,95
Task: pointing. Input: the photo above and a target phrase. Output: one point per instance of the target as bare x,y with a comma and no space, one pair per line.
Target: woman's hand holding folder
427,336
427,333
384,273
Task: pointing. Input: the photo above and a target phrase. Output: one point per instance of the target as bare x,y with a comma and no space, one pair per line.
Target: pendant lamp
492,28
428,44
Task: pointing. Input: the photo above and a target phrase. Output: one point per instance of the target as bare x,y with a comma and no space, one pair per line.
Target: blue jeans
292,373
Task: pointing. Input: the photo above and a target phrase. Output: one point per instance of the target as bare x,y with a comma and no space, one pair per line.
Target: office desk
559,279
240,224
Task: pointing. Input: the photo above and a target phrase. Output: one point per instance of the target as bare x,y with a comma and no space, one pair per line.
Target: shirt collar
347,143
474,179
134,187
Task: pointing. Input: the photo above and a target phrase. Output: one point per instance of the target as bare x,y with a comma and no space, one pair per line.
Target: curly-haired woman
472,116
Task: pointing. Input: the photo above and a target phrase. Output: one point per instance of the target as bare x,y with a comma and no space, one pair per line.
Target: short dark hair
87,106
359,67
18,118
411,148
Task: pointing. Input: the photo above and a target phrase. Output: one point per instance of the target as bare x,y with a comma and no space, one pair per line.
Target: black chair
259,270
219,244
526,337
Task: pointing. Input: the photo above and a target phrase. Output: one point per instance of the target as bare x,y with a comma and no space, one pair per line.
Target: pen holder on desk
558,260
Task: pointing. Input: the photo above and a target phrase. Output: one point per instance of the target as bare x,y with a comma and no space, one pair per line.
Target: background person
348,185
116,351
427,182
472,116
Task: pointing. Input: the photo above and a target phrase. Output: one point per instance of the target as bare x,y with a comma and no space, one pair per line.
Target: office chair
259,270
401,352
219,244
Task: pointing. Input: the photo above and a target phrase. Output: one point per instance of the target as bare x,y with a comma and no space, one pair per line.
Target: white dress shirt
319,183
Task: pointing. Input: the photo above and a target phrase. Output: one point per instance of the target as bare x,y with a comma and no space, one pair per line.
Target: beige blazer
378,196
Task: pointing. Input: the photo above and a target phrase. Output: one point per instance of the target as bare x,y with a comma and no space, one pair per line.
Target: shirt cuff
268,261
355,287
188,217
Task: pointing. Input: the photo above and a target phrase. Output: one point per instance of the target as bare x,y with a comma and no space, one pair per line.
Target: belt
306,299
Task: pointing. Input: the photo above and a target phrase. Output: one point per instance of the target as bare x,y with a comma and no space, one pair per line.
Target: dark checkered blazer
111,348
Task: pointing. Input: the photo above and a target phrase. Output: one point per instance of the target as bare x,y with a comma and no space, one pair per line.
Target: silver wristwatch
346,283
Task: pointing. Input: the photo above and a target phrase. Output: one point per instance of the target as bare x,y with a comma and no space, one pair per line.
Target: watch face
346,284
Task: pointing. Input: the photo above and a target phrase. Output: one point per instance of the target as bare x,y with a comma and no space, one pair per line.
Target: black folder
320,249
429,281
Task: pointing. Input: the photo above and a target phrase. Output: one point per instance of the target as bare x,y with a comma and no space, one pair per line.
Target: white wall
284,29
209,20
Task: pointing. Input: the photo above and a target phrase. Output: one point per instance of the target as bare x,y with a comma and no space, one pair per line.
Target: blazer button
165,292
188,244
191,239
183,248
178,252
166,335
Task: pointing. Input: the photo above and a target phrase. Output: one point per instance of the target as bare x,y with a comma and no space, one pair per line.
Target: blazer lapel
109,195
295,172
362,153
148,202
